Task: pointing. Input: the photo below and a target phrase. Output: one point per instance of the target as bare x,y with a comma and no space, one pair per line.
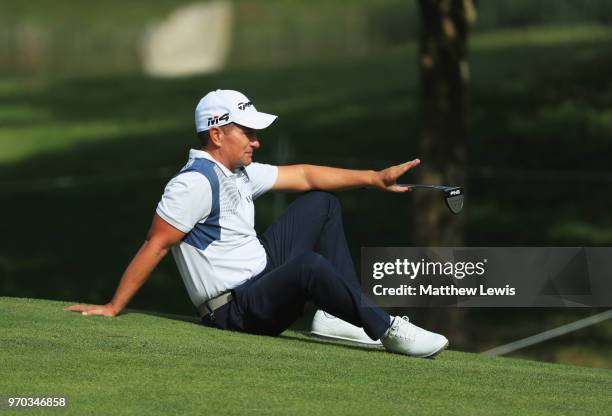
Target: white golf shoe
328,326
405,338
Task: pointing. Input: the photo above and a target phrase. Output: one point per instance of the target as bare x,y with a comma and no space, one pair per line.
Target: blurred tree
444,77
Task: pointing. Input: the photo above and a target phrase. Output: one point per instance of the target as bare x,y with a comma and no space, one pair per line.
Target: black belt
210,306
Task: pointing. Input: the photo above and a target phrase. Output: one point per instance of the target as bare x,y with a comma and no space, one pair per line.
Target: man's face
238,145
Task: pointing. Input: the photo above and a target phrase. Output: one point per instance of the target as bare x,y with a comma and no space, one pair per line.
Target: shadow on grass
172,316
312,339
304,336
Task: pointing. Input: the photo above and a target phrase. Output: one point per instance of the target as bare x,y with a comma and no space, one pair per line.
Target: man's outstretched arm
303,178
162,236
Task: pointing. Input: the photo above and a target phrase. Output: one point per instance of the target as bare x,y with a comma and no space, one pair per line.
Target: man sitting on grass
260,285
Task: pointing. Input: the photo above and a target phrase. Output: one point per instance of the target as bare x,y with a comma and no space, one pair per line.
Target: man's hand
102,310
387,178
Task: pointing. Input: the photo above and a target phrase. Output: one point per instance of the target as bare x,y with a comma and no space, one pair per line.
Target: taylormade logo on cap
222,107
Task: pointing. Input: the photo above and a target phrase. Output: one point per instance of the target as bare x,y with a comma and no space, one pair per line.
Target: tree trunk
444,78
444,74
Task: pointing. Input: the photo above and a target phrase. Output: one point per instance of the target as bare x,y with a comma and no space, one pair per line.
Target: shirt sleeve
261,178
187,200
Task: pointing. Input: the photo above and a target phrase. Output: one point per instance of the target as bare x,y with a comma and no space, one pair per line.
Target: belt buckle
211,312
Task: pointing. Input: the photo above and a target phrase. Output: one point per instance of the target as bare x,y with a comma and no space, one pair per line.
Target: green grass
39,116
51,37
140,363
540,36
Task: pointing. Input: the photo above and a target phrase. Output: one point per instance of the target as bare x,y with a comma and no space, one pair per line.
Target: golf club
453,195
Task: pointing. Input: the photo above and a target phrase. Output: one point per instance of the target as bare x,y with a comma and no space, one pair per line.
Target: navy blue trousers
308,260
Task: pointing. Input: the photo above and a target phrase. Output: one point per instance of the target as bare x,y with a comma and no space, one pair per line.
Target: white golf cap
221,107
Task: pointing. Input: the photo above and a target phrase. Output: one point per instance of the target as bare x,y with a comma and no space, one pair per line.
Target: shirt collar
202,154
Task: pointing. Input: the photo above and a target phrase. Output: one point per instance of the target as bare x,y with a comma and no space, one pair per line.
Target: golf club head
453,195
454,199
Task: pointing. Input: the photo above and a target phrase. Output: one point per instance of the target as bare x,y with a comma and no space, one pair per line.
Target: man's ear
216,135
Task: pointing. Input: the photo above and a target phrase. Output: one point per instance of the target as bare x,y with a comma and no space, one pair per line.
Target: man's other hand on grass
100,310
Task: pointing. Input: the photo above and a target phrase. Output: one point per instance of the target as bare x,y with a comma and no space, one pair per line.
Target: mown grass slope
139,363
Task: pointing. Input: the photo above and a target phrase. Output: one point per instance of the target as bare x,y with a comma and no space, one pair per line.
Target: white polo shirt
214,206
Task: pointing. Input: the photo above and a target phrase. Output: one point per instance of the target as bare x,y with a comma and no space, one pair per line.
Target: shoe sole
356,341
435,352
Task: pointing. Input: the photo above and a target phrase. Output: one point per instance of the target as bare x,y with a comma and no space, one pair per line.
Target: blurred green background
87,141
